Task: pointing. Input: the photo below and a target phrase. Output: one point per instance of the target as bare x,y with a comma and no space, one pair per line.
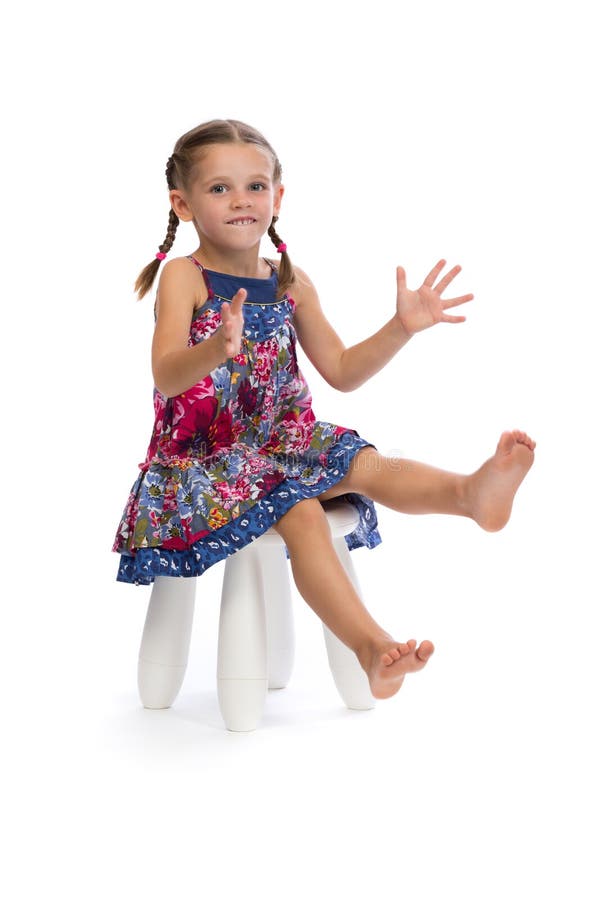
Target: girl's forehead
217,159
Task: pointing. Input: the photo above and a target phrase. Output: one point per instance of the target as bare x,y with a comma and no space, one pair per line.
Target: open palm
424,307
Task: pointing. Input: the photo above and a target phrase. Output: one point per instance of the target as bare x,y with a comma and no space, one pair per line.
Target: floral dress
233,453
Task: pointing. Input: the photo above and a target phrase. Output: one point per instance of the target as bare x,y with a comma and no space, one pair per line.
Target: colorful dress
233,453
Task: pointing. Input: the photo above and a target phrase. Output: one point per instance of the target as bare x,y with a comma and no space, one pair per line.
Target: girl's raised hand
420,309
232,318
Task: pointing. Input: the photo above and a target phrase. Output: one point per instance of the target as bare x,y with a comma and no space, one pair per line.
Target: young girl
236,448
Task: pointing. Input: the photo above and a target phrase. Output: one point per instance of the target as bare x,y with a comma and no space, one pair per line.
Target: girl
236,447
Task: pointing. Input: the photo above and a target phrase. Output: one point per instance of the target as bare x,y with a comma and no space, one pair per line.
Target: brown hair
179,172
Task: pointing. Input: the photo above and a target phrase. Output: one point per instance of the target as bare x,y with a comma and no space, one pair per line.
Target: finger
443,284
453,319
237,301
434,273
456,301
400,278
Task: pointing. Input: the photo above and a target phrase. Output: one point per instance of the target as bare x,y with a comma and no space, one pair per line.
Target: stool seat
256,630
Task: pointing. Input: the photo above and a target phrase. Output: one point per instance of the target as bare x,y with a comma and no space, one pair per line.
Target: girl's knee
367,459
356,479
365,465
305,516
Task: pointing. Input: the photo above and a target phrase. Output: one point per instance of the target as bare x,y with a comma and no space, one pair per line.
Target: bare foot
490,491
387,663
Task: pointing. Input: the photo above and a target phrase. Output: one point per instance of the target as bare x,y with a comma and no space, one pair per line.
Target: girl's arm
343,368
175,366
347,368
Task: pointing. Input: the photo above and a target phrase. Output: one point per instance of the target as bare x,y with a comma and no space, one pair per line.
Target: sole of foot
389,665
493,487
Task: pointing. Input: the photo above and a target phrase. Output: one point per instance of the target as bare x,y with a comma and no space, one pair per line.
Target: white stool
256,631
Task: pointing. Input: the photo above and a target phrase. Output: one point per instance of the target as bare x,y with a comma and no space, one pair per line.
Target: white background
407,132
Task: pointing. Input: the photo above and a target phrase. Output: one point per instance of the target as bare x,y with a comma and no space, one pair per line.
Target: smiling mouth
248,221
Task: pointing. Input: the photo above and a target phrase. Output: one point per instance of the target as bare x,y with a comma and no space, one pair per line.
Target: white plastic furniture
256,631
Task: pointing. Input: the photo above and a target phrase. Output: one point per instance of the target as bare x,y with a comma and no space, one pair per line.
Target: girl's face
233,198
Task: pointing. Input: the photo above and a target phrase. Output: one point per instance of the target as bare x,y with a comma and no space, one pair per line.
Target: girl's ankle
463,494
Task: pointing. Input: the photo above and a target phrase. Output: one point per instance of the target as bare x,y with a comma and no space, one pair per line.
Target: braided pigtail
145,279
286,270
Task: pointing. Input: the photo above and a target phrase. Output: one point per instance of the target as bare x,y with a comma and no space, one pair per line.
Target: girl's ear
179,206
278,195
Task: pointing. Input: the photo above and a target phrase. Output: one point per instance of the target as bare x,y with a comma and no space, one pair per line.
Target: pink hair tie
282,248
161,255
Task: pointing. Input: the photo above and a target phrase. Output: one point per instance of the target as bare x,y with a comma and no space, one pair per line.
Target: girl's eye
218,189
257,186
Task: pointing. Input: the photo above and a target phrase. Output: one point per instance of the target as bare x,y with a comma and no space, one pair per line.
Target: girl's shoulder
302,289
181,282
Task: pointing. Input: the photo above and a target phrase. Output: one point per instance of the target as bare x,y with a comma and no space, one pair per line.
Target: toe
506,442
425,650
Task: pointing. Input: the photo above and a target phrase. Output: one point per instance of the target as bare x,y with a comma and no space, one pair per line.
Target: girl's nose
241,201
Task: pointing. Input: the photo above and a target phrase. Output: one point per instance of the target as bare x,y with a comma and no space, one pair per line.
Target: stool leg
349,677
242,651
165,641
279,615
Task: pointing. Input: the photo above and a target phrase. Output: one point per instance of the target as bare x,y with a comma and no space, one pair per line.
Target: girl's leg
412,487
324,584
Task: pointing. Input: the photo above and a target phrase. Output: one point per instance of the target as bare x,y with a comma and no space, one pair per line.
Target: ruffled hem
146,563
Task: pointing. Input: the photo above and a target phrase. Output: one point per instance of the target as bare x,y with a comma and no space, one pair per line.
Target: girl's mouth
241,221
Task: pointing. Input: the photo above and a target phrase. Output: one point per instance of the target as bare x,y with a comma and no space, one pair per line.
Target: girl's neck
246,263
